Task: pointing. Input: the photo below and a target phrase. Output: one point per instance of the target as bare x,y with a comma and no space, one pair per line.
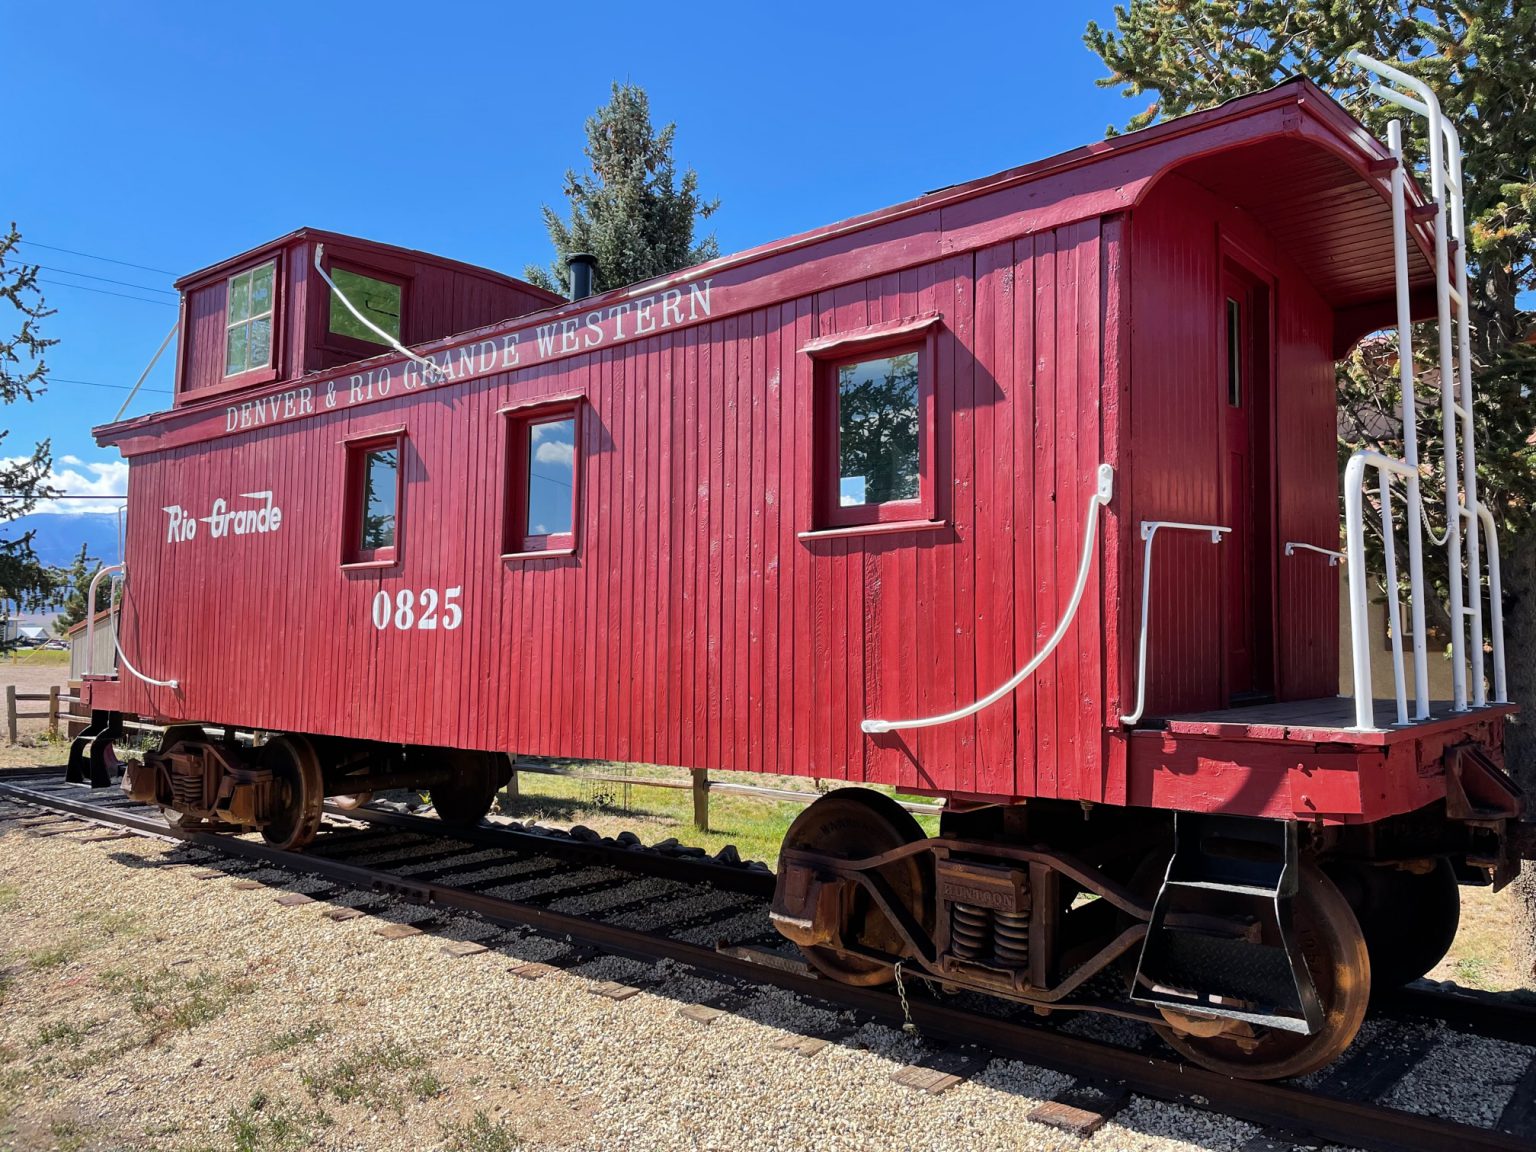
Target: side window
381,301
372,520
544,479
250,302
873,435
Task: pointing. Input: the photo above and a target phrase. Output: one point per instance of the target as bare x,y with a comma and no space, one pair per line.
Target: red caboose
1043,462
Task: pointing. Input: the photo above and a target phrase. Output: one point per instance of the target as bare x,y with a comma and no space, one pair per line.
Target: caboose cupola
267,316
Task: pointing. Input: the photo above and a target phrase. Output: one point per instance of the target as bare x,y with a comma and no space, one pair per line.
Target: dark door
1247,554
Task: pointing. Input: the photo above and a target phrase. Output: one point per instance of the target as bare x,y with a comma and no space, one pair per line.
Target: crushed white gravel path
309,1011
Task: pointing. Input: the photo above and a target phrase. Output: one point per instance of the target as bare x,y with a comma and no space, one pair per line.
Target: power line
61,496
104,292
105,279
99,384
93,256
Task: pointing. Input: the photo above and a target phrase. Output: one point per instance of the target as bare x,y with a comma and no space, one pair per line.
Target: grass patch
169,1002
372,1076
58,955
479,1134
10,896
298,1037
755,826
113,922
265,1125
37,657
67,1136
60,1032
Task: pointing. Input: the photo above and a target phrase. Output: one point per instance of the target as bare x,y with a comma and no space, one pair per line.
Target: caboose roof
413,255
1291,156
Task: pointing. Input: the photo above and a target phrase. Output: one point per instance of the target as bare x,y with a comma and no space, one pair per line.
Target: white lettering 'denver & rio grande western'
643,316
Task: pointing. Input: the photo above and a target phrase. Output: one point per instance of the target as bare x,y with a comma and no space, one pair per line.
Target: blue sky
173,135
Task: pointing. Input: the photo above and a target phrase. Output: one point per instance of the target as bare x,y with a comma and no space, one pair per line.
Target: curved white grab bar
1101,496
1149,530
90,630
1291,547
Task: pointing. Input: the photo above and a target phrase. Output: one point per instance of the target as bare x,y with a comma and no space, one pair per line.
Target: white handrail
1292,546
1495,604
1101,496
1149,530
90,630
1359,608
90,615
1445,190
434,371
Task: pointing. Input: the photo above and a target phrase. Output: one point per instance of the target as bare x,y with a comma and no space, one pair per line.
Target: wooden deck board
1328,718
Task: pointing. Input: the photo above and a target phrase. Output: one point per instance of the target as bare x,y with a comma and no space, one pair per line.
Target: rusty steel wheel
298,792
466,796
853,823
1408,916
1333,948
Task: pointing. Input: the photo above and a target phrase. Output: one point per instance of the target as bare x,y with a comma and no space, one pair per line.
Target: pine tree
24,580
1479,57
629,210
74,586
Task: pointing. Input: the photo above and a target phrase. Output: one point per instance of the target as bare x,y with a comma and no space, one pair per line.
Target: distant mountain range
59,537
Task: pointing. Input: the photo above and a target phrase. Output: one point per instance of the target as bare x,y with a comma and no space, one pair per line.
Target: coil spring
970,931
187,791
1012,939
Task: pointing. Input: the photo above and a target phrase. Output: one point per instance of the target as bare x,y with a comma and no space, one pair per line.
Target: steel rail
1274,1104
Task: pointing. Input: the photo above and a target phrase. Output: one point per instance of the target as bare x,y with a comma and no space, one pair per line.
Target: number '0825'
425,609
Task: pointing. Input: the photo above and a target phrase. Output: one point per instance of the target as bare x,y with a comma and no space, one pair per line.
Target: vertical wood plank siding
694,626
1173,426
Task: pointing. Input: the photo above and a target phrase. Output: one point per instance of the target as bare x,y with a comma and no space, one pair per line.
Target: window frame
357,348
357,449
516,541
828,513
261,373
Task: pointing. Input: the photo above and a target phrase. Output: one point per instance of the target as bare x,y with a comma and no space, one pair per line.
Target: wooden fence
54,696
700,785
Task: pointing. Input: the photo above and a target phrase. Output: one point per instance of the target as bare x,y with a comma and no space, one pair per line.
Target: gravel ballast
147,1008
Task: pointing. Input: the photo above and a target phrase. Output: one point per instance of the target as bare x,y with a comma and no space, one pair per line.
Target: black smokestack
581,266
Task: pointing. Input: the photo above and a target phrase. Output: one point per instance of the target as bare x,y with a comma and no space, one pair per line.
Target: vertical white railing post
1495,605
1456,208
1359,606
1389,546
1413,518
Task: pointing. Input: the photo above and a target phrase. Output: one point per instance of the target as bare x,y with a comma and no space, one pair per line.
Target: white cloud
75,477
554,452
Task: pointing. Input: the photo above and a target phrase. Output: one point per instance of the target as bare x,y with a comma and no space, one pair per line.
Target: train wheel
299,792
1409,918
466,796
852,823
1333,948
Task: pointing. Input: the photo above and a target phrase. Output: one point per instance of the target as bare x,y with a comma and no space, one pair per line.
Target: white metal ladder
1466,519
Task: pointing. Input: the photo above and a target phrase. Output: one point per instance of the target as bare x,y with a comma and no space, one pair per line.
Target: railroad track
1409,1084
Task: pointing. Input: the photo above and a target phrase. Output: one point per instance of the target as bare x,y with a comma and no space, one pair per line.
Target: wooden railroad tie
937,1073
462,948
1082,1108
294,899
397,931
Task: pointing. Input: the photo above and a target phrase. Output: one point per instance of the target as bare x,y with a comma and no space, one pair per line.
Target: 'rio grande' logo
224,521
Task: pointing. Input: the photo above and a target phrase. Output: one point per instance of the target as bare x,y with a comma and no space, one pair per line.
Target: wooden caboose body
1077,419
707,610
